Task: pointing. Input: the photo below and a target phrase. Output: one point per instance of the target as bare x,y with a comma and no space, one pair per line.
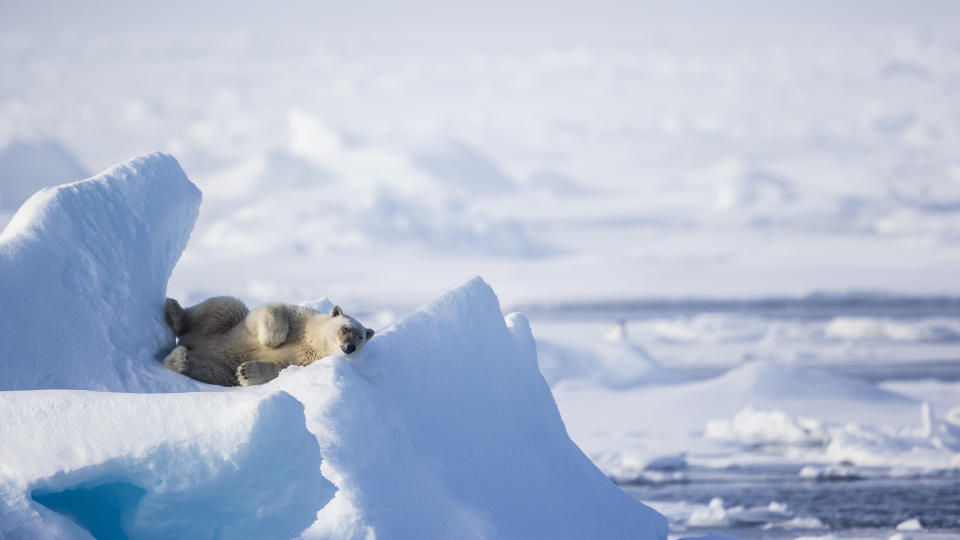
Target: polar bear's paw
254,372
176,361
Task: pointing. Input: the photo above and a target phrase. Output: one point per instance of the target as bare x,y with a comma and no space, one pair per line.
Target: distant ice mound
776,381
618,365
442,428
375,198
27,166
739,184
462,169
85,268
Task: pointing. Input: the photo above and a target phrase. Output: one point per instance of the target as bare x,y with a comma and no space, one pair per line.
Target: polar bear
222,342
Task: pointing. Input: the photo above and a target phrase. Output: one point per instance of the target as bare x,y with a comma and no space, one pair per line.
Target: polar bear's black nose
349,348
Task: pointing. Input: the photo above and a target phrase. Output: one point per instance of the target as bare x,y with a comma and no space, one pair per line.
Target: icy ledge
442,428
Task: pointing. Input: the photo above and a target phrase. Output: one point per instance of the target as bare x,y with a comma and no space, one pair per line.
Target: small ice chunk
672,462
617,333
910,525
829,473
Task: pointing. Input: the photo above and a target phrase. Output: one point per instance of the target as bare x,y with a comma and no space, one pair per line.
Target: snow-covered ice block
84,271
189,465
444,428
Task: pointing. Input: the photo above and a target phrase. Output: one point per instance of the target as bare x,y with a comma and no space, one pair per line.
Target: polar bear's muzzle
348,349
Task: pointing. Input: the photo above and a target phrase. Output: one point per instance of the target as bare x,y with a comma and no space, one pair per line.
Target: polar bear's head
345,334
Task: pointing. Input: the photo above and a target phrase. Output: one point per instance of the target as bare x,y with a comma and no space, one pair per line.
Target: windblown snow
442,427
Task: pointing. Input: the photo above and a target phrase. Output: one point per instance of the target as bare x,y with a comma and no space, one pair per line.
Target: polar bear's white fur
221,342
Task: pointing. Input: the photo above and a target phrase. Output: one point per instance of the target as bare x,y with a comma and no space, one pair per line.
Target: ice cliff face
442,427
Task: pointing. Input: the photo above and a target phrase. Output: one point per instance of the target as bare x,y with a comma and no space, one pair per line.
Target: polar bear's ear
336,311
369,333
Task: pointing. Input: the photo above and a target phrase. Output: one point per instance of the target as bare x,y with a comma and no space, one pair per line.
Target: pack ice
442,428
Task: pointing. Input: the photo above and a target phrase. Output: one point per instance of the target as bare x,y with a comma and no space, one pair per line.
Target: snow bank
193,465
444,428
85,268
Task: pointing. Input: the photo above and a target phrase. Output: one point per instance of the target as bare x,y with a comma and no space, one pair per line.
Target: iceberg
442,427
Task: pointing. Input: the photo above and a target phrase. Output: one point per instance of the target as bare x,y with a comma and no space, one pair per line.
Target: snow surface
442,427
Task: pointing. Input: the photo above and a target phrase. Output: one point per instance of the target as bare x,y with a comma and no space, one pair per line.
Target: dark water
872,502
801,308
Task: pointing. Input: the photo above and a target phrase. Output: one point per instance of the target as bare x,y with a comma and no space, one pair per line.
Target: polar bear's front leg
257,372
272,326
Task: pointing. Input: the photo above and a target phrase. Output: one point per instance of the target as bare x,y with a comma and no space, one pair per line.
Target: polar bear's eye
344,329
